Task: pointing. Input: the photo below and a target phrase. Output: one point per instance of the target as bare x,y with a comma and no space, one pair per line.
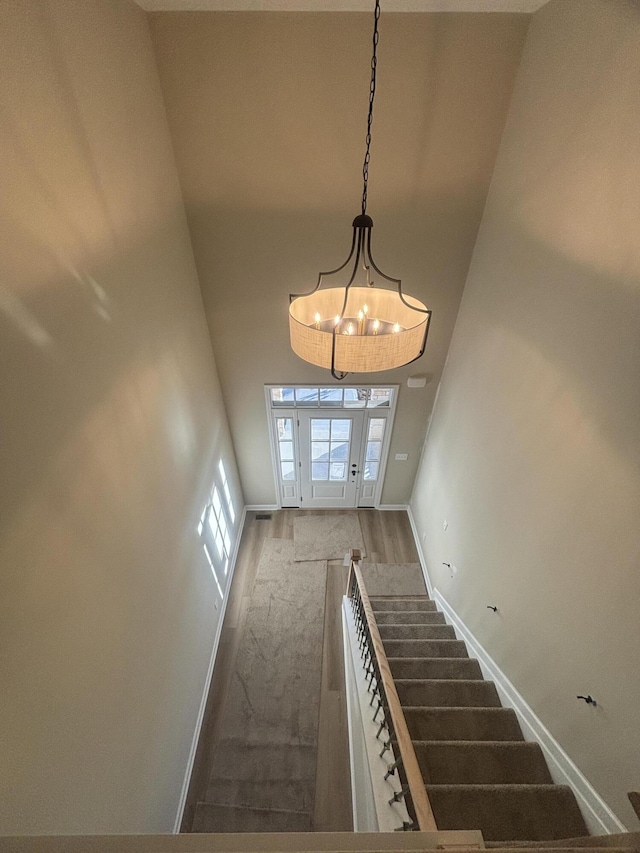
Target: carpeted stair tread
615,842
508,812
482,762
414,603
447,692
410,617
465,668
479,770
461,723
214,817
531,846
417,632
425,649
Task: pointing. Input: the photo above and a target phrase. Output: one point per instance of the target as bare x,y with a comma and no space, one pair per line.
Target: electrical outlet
402,457
445,524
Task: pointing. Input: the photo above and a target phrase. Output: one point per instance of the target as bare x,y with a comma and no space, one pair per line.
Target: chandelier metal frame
362,258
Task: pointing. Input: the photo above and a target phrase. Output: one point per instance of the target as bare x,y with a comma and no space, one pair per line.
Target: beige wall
267,115
112,421
534,450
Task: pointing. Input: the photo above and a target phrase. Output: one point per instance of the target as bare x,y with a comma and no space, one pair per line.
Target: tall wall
112,422
268,117
533,455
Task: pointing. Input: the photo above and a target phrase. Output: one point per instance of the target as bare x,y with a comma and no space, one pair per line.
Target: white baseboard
392,507
423,561
599,818
207,682
261,508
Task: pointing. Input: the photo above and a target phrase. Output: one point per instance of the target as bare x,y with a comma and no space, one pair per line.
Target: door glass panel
286,451
284,427
334,451
320,451
371,470
373,451
375,436
284,430
376,429
340,429
319,470
320,429
339,452
338,471
288,470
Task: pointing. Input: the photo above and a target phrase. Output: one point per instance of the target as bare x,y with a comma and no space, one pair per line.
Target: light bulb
336,319
361,315
317,317
396,327
376,325
350,329
365,310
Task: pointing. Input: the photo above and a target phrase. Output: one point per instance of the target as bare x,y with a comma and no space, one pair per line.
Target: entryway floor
388,539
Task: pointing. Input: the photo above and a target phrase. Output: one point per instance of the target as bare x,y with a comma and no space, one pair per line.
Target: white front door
330,447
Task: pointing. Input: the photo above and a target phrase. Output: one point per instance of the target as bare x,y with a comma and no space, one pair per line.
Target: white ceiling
340,5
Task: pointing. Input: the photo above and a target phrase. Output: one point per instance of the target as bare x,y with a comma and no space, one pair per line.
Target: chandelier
359,327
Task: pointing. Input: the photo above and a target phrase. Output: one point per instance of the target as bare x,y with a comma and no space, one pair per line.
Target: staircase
479,771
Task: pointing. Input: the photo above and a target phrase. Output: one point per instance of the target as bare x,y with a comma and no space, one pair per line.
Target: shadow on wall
87,294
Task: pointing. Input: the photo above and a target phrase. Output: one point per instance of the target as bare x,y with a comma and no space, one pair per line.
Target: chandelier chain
372,94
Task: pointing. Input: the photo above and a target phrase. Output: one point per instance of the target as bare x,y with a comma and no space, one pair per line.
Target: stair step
463,723
425,649
414,603
448,692
504,812
466,668
213,817
615,842
410,617
417,632
482,762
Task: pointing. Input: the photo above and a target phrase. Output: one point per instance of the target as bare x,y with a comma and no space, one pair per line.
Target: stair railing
388,712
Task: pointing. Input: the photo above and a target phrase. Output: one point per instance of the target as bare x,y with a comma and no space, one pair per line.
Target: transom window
331,398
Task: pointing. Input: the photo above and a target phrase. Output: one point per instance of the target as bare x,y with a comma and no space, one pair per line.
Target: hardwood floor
388,539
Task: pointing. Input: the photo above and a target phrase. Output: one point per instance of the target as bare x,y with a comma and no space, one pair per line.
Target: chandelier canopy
358,327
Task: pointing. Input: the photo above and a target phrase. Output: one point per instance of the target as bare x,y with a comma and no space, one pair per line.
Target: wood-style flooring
388,539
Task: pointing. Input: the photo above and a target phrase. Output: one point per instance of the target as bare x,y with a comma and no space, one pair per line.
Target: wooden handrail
419,797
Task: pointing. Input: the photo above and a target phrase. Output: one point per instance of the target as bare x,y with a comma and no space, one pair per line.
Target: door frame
285,411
